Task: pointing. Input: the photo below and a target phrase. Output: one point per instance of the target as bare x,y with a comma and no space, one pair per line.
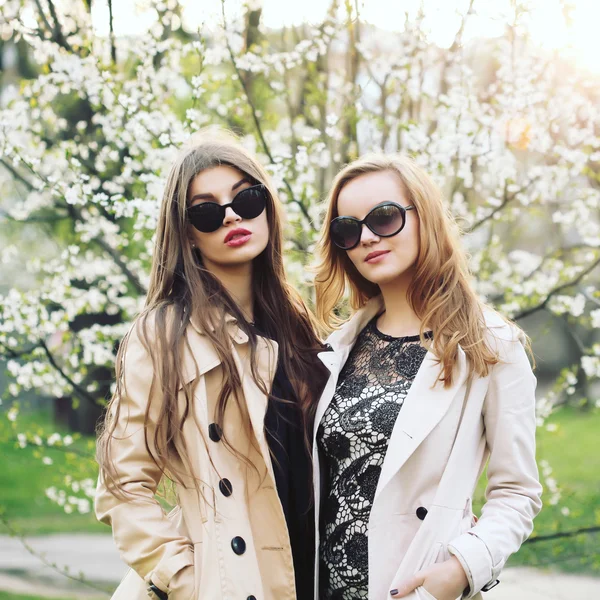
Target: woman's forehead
366,191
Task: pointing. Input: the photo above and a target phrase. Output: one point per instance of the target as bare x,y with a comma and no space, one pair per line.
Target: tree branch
562,534
42,557
43,15
113,47
134,279
255,119
76,215
507,199
57,33
49,219
16,174
77,388
557,290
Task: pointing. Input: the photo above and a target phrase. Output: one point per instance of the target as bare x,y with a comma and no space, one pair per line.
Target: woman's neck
237,280
399,319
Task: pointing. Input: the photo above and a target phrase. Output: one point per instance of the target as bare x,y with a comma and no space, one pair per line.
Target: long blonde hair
182,289
441,294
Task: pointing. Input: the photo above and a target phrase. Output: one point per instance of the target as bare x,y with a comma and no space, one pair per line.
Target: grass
572,452
24,478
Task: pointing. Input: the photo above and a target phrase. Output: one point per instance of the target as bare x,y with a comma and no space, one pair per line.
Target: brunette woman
214,391
427,384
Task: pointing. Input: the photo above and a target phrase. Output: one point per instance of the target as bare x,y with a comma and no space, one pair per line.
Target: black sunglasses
385,220
248,204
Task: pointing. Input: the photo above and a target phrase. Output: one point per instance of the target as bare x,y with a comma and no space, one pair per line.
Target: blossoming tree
508,131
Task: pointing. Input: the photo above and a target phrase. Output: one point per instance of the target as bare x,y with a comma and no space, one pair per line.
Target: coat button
251,598
421,513
238,545
328,347
226,487
214,432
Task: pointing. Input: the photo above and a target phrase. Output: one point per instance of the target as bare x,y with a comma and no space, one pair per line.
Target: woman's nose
367,236
231,216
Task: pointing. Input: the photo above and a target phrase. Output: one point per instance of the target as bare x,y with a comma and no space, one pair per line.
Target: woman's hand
444,581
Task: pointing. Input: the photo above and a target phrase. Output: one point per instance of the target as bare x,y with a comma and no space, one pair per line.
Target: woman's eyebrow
209,196
239,183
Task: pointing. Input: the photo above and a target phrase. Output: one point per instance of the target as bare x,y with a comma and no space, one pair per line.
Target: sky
576,37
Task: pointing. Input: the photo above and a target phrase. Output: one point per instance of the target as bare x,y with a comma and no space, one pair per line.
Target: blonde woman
214,393
426,385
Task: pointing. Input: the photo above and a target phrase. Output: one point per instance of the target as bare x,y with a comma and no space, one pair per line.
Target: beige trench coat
213,545
439,446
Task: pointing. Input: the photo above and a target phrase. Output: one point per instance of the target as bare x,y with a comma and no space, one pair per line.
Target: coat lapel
423,408
256,401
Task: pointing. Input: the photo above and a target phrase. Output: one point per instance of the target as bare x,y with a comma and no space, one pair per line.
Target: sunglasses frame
362,222
224,207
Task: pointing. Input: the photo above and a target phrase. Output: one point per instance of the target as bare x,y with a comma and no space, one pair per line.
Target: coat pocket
433,555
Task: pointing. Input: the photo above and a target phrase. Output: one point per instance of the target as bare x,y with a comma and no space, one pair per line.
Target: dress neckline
390,338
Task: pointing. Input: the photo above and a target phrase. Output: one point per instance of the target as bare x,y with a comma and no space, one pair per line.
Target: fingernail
393,592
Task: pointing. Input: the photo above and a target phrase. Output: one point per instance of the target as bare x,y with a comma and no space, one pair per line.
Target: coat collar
199,354
237,335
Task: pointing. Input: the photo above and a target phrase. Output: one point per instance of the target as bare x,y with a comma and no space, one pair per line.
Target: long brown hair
441,294
181,289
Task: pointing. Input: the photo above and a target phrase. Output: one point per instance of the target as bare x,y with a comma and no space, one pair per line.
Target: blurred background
498,100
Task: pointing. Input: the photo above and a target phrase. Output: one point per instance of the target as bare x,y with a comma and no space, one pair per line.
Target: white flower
53,439
47,460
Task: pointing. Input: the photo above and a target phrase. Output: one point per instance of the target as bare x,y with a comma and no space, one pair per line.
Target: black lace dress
353,437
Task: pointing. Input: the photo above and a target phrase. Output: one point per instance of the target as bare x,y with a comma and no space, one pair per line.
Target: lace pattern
353,437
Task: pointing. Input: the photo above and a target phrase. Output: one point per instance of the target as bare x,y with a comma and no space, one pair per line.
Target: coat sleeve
513,494
147,540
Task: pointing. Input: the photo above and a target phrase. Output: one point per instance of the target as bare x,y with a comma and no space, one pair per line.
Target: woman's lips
239,241
375,257
237,237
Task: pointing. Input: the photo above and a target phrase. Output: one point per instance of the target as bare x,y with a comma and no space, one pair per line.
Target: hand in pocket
443,581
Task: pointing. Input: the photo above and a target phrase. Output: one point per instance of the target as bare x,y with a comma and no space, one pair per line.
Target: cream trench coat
437,451
236,544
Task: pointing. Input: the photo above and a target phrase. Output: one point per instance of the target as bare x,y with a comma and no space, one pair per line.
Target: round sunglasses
248,204
385,220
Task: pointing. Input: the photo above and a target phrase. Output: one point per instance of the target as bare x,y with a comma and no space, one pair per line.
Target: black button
226,487
421,513
328,347
251,598
215,432
238,545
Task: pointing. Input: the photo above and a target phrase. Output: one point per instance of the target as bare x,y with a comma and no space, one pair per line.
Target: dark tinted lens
250,203
206,217
386,220
345,232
